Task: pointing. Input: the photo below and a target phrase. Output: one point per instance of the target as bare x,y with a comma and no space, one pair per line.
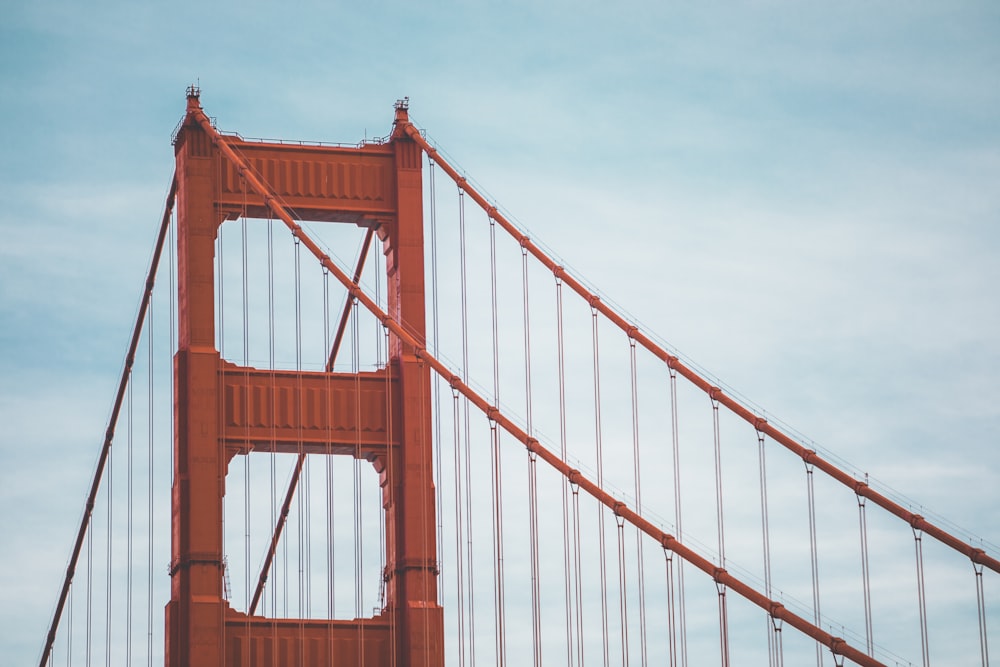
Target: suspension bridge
365,419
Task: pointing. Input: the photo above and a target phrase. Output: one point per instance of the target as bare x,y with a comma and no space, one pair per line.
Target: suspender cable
836,644
129,548
814,557
330,588
676,449
577,561
720,525
459,528
600,480
467,444
110,541
865,574
622,593
149,500
435,332
102,460
637,479
300,444
273,439
498,578
984,649
766,544
671,619
567,567
393,622
244,274
921,600
69,631
779,655
90,594
536,605
359,566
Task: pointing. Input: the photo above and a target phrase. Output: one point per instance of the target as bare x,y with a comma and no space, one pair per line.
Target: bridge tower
222,410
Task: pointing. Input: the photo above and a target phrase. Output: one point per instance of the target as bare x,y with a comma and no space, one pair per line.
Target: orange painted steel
759,423
109,434
224,410
415,345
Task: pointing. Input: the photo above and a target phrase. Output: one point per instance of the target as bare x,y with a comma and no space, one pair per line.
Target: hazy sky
801,198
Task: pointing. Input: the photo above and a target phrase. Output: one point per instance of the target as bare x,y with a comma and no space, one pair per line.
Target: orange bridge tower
223,410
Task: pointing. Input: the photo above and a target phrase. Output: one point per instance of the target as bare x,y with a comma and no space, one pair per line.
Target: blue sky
800,198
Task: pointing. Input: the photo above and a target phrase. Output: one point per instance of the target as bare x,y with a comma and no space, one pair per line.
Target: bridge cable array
575,519
720,575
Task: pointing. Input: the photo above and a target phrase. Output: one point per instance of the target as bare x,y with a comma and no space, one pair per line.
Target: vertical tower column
412,565
194,615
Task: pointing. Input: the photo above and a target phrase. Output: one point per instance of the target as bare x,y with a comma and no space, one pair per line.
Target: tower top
402,107
193,97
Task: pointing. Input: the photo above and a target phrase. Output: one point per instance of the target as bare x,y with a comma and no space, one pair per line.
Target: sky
799,198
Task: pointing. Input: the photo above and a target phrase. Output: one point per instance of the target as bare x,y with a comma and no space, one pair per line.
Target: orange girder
223,410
